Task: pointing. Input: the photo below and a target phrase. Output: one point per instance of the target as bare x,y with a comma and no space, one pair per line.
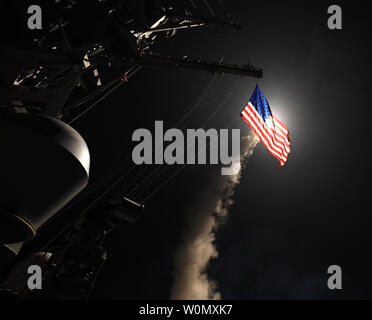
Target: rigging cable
187,114
229,15
145,184
122,80
93,187
150,195
89,97
210,119
209,7
193,4
147,179
101,196
124,164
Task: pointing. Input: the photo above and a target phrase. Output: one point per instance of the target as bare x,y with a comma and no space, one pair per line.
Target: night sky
287,225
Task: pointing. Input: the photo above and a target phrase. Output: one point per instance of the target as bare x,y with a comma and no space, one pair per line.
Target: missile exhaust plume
197,250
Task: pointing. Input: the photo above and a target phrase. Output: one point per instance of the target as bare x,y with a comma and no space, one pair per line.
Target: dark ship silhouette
50,78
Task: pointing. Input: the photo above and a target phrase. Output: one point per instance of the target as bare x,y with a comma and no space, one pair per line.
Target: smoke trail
191,280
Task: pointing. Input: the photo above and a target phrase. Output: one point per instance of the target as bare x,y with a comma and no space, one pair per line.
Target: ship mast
58,76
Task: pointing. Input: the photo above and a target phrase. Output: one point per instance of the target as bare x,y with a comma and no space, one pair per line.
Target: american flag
272,133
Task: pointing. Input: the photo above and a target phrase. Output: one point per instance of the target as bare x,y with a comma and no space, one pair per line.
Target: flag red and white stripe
272,133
